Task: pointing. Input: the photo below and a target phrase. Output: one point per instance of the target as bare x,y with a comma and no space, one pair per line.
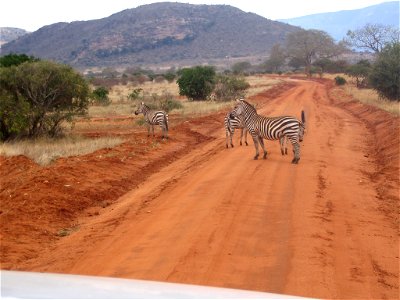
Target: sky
33,14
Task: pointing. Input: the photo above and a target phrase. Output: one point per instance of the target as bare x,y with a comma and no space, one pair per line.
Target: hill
8,34
338,23
155,33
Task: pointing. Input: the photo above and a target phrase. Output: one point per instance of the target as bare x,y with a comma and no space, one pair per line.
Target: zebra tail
303,117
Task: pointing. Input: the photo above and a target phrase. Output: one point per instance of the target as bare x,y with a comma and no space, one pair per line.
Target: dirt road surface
325,228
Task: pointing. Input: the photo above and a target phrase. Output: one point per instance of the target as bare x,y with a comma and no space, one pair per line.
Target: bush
44,94
339,80
360,71
135,94
230,87
385,77
196,83
100,96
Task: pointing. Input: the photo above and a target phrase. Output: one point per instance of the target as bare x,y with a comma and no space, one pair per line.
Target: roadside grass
366,95
44,151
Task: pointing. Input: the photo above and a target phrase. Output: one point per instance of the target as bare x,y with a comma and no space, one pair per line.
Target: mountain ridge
338,23
155,33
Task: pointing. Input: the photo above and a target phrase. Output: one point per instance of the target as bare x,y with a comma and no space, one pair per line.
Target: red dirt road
325,228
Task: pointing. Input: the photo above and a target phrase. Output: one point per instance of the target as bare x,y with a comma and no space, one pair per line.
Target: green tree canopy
196,83
15,59
385,74
53,92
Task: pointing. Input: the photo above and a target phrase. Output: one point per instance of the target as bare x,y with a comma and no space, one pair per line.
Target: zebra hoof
240,143
283,153
286,151
227,147
295,161
265,156
246,143
256,157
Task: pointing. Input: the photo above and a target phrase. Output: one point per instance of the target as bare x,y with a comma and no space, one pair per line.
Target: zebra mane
248,105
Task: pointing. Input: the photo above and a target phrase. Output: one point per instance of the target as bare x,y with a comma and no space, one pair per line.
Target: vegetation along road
326,228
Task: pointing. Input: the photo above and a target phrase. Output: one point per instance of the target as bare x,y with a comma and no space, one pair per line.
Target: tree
308,45
276,59
53,92
360,71
241,67
385,74
372,37
15,59
196,83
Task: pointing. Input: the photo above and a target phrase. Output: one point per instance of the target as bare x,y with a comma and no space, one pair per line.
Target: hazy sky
33,14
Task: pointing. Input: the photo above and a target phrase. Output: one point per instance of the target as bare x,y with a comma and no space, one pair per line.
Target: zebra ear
142,103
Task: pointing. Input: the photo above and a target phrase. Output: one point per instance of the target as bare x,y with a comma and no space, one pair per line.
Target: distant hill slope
155,33
338,23
8,34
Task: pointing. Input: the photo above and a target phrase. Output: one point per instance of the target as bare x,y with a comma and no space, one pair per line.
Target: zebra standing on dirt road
231,125
271,128
283,140
154,117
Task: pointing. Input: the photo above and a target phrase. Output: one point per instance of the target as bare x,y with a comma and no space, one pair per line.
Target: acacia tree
372,37
53,92
276,59
308,45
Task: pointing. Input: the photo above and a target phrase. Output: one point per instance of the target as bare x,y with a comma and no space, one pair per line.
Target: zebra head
140,109
239,108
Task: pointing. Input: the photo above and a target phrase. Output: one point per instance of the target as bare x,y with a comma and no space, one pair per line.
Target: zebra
154,117
283,140
271,128
231,125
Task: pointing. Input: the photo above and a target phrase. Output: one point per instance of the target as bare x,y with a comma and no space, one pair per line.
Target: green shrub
100,96
230,87
196,83
339,80
385,74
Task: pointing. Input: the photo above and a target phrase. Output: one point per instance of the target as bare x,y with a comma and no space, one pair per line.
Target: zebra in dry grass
271,128
154,117
231,125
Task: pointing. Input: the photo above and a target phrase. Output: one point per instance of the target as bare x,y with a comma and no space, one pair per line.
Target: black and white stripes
231,125
156,117
271,128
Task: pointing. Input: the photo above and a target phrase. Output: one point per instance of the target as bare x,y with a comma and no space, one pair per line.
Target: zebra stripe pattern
231,125
154,117
271,128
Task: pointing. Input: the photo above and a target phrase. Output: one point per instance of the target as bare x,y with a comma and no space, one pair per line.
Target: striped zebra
271,128
154,117
283,140
231,125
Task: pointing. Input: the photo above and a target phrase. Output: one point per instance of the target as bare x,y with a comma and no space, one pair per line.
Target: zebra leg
231,136
245,136
263,147
296,150
256,139
241,136
148,130
281,143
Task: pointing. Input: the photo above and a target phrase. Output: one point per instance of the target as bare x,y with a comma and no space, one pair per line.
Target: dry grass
45,151
371,97
367,96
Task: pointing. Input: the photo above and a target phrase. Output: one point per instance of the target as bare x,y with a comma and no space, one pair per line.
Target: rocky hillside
8,34
155,33
338,23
